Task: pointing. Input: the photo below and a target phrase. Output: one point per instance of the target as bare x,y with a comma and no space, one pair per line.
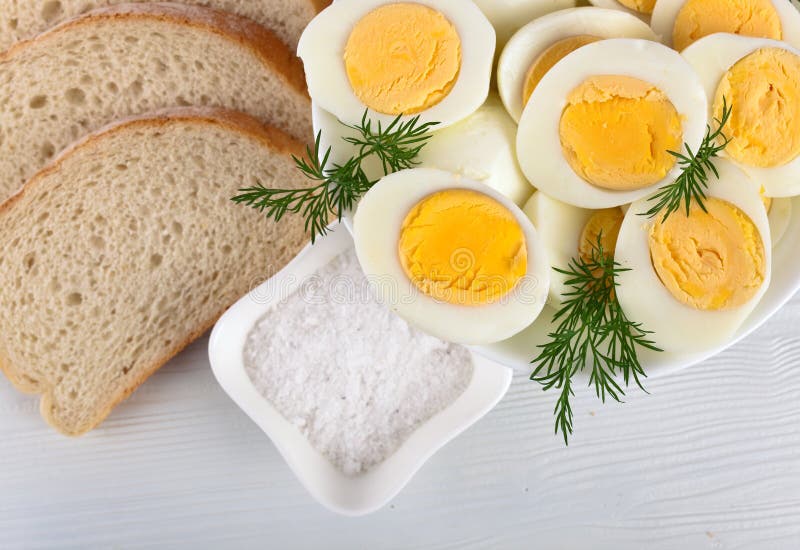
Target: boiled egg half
760,80
680,23
539,45
428,57
451,256
694,279
509,15
568,232
481,147
597,130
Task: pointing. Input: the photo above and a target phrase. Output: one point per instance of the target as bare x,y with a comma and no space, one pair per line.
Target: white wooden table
710,460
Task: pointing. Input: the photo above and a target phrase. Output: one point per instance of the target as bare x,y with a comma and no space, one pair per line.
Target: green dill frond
691,185
336,188
592,332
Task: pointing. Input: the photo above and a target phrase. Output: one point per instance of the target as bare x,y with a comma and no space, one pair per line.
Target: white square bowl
343,494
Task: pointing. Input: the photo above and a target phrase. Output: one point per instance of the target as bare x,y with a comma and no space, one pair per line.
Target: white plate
518,351
346,495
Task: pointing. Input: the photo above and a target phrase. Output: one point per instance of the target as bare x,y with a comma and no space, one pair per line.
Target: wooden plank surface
711,459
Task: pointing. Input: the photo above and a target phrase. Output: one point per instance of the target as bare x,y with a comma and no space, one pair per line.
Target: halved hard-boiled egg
428,57
451,256
481,147
760,80
694,279
568,232
640,8
509,15
680,23
597,131
539,45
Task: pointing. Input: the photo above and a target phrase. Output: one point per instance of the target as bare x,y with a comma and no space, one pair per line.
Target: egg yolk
603,225
548,58
616,132
642,6
402,58
709,260
767,201
462,247
763,90
699,18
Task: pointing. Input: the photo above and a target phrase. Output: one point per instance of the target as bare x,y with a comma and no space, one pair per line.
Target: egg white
323,42
538,140
780,216
509,15
644,299
666,12
376,232
712,57
614,5
481,147
534,38
560,227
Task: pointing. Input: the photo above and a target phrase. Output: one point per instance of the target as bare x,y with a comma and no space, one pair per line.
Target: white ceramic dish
517,352
340,493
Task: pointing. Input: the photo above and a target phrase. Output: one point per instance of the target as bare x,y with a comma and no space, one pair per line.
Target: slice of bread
128,247
22,19
132,59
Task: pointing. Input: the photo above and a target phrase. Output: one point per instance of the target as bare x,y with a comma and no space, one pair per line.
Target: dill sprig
337,187
397,145
692,183
592,332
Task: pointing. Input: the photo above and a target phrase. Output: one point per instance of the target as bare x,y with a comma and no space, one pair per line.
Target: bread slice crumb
128,247
132,59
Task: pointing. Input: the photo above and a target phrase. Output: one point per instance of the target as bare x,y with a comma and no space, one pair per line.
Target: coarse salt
353,377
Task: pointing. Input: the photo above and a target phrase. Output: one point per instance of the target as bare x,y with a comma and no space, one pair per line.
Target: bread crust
278,22
320,5
272,138
249,34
